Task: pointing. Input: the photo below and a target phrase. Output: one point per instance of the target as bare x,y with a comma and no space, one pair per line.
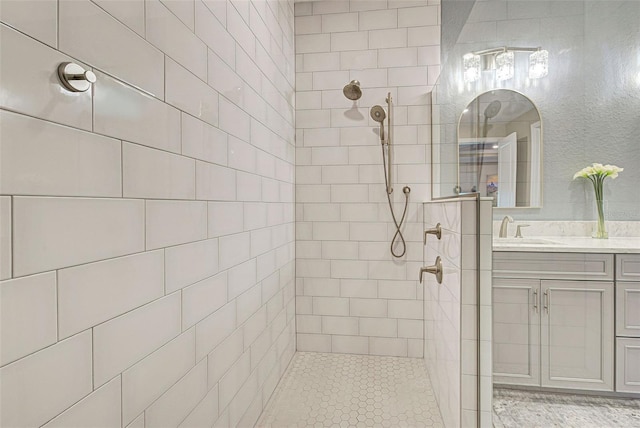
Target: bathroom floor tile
344,390
525,409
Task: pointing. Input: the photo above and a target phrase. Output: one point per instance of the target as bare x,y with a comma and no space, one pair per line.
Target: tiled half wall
458,311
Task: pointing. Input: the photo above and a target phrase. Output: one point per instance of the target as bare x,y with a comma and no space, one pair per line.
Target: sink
524,241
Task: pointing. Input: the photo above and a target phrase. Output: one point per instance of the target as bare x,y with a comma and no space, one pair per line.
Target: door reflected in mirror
500,149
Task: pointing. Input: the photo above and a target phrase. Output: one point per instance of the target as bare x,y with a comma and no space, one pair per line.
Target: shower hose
406,190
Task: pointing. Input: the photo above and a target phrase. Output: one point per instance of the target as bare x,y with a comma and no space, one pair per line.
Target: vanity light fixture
504,65
502,60
538,64
471,67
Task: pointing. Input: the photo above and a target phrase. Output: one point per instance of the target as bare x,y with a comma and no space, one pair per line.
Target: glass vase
600,231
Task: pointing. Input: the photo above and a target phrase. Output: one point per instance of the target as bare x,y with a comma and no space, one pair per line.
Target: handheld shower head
492,109
352,90
378,114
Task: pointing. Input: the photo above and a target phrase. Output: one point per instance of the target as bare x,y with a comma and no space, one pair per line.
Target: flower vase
601,229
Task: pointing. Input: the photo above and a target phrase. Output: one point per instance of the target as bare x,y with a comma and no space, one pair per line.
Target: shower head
352,90
492,109
378,114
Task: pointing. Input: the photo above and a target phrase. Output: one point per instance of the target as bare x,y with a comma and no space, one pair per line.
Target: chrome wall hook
75,78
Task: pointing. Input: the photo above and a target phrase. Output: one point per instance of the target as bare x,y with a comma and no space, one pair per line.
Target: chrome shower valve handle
436,270
437,231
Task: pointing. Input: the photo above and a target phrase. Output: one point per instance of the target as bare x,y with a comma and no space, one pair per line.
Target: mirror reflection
500,148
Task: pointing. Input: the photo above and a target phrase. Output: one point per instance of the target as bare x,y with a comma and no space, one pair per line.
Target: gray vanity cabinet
553,332
628,323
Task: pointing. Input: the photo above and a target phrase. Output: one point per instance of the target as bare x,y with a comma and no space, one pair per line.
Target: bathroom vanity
566,313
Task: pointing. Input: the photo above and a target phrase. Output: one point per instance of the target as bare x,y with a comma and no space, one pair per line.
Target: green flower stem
598,187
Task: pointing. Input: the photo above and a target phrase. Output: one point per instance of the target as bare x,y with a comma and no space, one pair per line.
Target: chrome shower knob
75,78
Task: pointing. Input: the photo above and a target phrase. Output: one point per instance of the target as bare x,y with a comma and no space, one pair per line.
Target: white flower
598,171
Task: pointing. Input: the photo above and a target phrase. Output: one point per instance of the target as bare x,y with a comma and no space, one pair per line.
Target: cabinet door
516,331
577,334
628,364
628,309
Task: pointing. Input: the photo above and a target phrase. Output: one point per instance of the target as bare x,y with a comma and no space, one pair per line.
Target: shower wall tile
349,344
175,404
153,124
78,230
165,31
204,251
393,38
188,93
90,33
100,408
36,18
213,33
41,158
120,342
174,222
379,19
28,315
130,13
150,173
340,181
147,380
189,263
93,293
42,385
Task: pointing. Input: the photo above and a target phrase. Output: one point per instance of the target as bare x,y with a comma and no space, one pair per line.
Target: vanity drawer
578,266
627,365
628,309
628,267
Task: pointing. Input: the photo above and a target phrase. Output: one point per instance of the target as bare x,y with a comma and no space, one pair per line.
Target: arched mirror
500,149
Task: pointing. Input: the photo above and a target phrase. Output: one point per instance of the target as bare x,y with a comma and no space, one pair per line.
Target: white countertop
569,244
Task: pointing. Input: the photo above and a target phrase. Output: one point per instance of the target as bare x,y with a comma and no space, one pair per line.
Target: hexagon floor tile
343,390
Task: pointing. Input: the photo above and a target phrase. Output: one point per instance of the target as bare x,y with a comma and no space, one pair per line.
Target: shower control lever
433,231
436,269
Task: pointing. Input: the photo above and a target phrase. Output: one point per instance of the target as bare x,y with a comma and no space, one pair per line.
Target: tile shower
352,296
171,237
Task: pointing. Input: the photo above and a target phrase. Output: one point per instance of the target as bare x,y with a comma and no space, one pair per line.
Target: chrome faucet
504,226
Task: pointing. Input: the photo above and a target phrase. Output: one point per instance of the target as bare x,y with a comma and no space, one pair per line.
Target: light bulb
538,64
504,65
471,64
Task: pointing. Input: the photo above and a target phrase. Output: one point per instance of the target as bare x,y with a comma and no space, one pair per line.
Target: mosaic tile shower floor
524,409
340,390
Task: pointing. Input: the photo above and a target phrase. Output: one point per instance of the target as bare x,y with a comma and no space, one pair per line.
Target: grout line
57,306
12,230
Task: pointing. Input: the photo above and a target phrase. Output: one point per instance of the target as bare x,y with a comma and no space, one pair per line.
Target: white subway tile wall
352,295
147,225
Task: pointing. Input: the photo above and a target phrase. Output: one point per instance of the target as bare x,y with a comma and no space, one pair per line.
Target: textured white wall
589,101
352,296
147,227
